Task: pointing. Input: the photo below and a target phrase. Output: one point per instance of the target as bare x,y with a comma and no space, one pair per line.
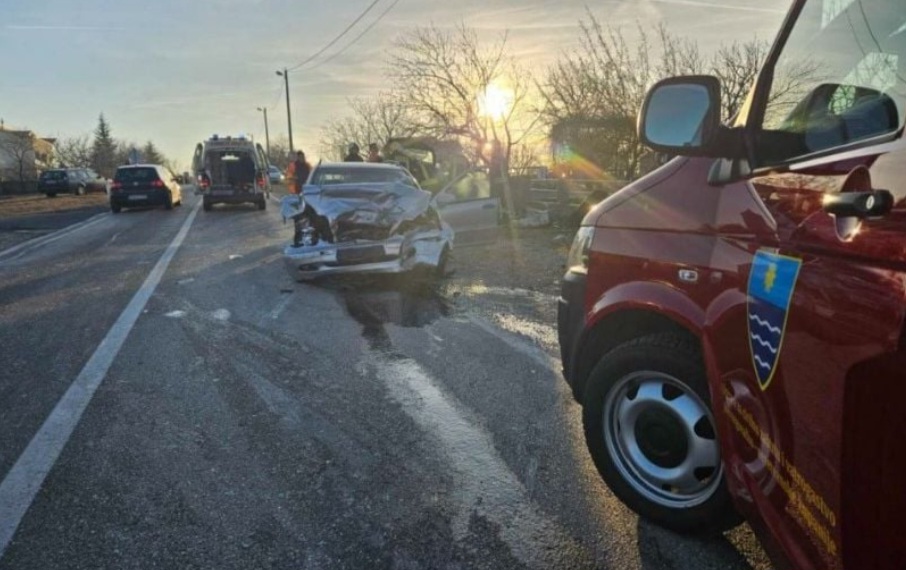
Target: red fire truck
733,323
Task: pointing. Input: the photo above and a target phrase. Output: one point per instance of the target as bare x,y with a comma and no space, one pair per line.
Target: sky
177,71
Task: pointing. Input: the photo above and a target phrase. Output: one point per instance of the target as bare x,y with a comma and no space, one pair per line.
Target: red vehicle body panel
814,458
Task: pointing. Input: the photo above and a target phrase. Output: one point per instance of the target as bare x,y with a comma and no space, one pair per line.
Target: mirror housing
681,116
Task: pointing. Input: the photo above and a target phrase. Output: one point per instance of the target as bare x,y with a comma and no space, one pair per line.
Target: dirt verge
34,204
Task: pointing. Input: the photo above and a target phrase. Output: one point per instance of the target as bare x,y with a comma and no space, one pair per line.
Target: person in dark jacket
353,155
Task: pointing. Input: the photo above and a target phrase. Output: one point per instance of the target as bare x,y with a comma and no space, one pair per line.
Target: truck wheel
650,430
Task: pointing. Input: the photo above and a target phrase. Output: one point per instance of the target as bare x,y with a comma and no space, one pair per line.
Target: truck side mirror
681,115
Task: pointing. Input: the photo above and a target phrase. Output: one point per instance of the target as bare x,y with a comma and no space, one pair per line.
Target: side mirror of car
681,116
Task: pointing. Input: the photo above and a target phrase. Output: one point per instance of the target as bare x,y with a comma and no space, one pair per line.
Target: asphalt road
170,398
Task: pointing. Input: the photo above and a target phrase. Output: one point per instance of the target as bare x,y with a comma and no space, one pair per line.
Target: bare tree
74,151
19,148
443,77
279,152
737,65
373,120
592,95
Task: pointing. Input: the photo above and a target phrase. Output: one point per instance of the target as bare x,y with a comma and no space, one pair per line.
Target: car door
468,206
815,398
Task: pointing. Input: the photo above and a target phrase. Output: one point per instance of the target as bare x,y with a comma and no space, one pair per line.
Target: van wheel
650,430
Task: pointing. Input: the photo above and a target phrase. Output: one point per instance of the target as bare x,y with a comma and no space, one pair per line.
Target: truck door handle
869,204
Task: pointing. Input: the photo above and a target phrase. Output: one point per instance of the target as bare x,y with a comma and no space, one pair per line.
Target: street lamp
267,136
289,119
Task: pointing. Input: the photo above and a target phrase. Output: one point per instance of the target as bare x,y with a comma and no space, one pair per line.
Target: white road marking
18,489
176,314
485,485
278,310
23,248
222,315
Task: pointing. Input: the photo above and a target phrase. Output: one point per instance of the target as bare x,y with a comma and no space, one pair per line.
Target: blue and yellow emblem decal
770,290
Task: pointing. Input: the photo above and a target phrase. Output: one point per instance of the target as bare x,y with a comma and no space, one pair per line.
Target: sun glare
495,102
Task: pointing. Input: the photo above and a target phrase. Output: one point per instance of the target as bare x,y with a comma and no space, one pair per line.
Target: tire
79,191
115,208
262,203
650,430
205,204
51,194
168,205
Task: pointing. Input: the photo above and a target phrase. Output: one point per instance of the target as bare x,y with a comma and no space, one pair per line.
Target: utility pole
289,118
267,136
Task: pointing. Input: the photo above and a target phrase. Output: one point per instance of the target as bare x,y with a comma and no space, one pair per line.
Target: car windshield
325,176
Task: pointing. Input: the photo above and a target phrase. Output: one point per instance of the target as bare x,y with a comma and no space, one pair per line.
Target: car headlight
577,260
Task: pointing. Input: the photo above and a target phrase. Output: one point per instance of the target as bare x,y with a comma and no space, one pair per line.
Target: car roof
139,166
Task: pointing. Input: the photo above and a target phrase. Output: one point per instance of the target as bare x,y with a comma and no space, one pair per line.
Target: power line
357,38
336,39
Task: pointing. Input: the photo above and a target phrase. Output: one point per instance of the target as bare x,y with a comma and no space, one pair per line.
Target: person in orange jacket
297,173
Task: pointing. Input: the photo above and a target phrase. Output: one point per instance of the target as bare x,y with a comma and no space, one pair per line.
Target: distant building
23,154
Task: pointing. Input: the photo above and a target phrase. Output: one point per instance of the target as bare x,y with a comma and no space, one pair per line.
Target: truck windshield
840,78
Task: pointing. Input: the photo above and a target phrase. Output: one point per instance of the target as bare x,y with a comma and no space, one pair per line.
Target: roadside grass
32,204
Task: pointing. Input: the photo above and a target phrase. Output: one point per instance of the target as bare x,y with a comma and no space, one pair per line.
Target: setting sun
495,102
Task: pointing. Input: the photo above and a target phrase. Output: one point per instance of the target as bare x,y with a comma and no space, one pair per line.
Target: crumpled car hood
382,204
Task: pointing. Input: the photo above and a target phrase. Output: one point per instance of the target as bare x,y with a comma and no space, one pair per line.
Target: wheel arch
628,312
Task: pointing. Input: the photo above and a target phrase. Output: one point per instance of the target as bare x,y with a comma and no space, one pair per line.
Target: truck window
839,80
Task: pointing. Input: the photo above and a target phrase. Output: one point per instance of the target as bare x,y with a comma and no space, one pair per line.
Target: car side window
839,80
472,186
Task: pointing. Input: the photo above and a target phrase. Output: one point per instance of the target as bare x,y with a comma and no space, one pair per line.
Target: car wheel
168,205
51,194
262,203
79,191
115,208
649,428
205,205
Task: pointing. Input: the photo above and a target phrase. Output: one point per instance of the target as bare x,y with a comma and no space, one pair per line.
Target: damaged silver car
364,218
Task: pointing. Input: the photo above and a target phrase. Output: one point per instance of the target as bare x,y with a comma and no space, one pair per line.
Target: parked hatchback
63,181
144,185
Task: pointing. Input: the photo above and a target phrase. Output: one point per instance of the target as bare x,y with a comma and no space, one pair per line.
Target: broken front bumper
398,254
